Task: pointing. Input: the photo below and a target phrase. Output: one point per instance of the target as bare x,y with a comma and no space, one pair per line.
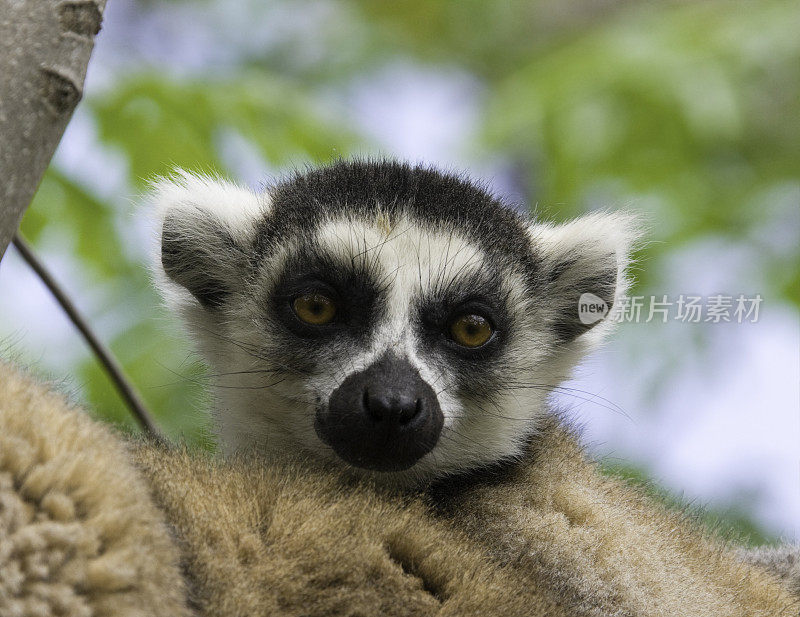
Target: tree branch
104,355
44,50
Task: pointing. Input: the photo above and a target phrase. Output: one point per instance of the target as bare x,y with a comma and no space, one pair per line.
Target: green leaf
162,123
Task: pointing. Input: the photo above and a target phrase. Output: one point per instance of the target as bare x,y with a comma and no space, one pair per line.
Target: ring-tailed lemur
395,317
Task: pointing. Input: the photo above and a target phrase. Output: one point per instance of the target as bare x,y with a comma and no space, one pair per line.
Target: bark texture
44,50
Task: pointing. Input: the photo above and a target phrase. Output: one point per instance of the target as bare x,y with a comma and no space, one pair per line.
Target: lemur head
393,317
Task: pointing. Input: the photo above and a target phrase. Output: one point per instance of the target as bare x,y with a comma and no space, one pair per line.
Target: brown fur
79,535
550,536
783,561
602,547
294,539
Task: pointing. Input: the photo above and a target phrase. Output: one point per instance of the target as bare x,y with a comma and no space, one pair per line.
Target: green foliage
687,104
160,123
89,223
490,39
149,357
681,111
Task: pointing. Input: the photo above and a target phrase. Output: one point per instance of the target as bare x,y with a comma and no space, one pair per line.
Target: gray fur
782,561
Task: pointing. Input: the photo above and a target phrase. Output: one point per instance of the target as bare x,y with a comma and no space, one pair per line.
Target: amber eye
314,309
471,330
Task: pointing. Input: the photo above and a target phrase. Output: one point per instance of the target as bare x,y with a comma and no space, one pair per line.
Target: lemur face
394,318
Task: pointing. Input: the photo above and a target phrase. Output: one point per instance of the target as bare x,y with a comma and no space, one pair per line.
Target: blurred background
688,112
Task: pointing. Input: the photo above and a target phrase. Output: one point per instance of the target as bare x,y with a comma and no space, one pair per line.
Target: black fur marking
352,285
603,284
478,370
436,199
192,261
445,494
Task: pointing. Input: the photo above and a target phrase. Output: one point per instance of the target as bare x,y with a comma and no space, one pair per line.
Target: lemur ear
206,226
583,264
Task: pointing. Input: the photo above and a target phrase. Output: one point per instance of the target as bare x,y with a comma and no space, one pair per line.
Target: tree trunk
44,49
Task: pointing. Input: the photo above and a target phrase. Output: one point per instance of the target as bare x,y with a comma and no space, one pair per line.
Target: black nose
394,408
384,418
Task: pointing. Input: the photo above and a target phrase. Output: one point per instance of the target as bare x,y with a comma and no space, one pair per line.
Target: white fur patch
195,196
190,200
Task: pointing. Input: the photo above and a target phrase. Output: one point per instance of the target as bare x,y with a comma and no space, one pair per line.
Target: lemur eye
471,330
314,308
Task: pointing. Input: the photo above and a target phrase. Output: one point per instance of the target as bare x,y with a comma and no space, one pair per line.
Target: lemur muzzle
383,418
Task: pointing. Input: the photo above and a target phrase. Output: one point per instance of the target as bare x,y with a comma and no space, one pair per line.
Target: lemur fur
401,255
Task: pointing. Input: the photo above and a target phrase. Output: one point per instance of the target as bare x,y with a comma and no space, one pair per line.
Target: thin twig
103,353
